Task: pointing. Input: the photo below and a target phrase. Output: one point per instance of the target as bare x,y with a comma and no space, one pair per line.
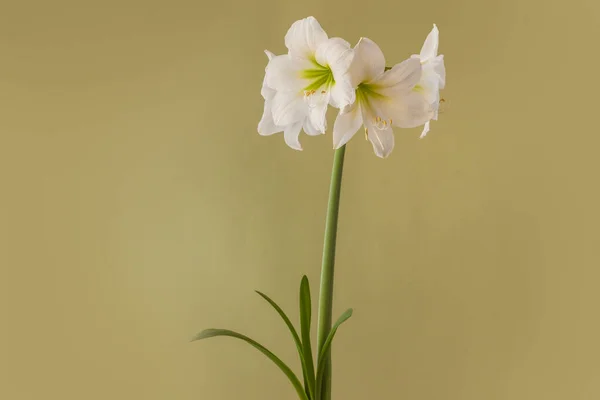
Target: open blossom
433,77
299,86
383,99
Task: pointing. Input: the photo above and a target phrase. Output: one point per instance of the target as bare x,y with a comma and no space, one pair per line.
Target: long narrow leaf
305,317
208,333
321,363
285,319
294,335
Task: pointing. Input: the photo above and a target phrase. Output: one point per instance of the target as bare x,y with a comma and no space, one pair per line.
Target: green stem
327,268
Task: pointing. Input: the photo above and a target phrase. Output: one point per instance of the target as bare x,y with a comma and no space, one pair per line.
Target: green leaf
305,317
208,333
285,319
322,360
294,335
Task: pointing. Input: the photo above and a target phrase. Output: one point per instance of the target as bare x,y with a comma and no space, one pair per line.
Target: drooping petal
378,124
288,108
368,62
342,92
382,140
425,130
317,110
310,129
430,47
290,135
336,54
346,125
402,77
303,38
285,74
267,126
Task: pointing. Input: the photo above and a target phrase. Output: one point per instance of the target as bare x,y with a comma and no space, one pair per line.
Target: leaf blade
305,320
294,333
321,363
209,333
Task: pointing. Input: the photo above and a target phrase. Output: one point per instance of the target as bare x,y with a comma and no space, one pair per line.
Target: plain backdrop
139,205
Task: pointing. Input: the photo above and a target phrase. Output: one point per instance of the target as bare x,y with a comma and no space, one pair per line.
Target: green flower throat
319,77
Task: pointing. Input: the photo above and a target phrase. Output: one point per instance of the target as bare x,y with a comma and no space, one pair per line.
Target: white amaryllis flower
302,83
433,77
383,99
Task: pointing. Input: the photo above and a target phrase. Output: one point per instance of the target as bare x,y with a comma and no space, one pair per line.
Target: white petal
267,126
342,92
430,47
303,38
379,128
430,87
402,77
284,73
382,140
336,54
310,129
407,110
425,130
269,54
440,69
288,108
346,124
368,62
317,111
290,135
265,91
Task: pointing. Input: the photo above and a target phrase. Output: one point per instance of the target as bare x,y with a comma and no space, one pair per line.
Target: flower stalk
327,268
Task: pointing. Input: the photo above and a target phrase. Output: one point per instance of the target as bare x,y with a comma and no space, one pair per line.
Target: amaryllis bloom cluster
318,72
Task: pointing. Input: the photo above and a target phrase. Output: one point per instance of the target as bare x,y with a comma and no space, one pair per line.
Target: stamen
442,106
381,124
312,98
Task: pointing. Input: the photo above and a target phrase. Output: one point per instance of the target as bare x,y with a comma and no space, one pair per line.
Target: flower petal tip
269,54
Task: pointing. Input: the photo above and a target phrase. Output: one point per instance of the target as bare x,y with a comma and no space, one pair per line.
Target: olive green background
139,205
